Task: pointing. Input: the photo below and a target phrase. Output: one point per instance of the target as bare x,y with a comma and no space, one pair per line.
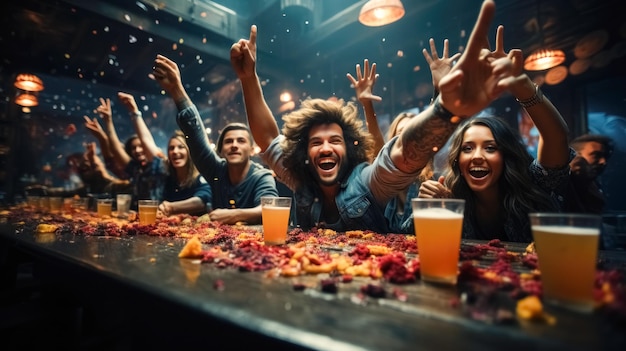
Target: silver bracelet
534,100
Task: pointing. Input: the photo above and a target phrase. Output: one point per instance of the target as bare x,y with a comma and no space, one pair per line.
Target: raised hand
243,55
167,74
364,82
94,127
104,110
128,101
439,67
477,78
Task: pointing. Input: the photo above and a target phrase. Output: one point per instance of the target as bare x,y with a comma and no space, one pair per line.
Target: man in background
585,193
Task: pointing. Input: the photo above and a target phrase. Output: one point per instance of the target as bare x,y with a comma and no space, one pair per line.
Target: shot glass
438,228
148,211
105,207
32,201
123,204
56,204
81,204
275,212
67,204
567,253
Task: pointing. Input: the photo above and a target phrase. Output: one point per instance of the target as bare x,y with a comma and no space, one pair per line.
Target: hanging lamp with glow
544,59
377,13
28,82
26,99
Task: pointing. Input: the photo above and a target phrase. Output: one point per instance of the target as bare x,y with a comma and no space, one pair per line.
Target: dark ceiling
86,49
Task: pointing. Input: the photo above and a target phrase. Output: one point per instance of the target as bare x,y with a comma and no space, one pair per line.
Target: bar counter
155,299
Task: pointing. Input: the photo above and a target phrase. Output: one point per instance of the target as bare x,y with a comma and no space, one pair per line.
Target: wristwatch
534,100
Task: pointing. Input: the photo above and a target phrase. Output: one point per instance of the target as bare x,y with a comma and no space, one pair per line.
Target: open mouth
327,164
479,172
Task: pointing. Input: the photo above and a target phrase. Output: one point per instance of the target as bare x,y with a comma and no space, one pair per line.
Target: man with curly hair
322,153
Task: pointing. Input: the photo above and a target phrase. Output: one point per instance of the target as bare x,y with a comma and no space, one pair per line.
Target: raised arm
553,150
262,123
150,148
470,86
167,74
363,85
117,148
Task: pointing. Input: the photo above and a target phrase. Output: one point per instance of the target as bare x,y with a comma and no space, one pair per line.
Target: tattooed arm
470,86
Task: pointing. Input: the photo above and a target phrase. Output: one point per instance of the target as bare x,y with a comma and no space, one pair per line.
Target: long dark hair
314,112
190,167
518,192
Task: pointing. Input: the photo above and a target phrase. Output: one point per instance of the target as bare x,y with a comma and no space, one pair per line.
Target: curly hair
313,112
518,193
190,167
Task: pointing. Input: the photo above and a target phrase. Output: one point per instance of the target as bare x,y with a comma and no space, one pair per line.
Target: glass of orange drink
147,211
275,212
104,207
567,254
438,224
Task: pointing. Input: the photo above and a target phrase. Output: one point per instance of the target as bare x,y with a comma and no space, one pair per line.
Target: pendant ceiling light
28,82
544,59
377,13
27,99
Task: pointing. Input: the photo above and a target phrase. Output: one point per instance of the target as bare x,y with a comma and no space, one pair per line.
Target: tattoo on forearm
420,142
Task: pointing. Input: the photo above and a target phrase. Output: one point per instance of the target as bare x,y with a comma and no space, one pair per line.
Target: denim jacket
358,210
361,199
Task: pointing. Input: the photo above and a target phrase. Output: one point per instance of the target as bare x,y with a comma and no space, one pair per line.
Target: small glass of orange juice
438,228
148,211
105,207
275,212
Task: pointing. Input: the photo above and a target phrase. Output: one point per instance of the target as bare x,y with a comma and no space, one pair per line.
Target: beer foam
436,213
565,229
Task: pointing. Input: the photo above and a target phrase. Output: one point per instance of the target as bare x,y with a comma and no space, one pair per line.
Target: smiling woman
86,49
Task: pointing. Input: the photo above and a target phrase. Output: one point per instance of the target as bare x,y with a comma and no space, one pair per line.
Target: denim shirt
147,180
358,210
362,197
402,223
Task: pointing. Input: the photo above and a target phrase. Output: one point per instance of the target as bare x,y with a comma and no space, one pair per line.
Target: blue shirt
247,194
200,188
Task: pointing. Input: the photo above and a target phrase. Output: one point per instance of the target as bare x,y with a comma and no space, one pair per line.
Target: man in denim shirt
321,154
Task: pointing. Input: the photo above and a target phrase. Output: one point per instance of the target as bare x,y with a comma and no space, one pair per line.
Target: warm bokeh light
285,96
381,12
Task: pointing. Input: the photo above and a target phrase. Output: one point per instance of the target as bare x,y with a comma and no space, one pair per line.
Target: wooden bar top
297,312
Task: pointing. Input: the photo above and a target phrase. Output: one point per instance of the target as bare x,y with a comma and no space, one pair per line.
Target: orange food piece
46,228
531,308
192,249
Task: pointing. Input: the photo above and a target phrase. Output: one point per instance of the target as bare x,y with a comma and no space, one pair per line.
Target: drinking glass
567,253
56,204
123,204
275,212
438,228
148,211
105,207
